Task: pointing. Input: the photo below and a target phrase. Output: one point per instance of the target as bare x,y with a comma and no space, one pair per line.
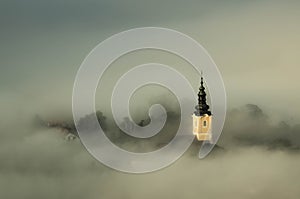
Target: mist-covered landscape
38,161
255,45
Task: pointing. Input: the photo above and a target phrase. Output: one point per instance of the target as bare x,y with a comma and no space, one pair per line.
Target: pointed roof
202,107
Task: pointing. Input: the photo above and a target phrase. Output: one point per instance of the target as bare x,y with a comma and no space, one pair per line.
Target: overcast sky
254,43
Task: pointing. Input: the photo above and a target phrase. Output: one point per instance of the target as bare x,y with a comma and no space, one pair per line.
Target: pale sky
254,43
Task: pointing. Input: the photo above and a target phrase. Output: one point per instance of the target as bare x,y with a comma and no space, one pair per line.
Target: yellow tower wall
202,127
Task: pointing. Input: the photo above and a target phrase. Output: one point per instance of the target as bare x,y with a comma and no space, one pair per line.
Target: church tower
202,118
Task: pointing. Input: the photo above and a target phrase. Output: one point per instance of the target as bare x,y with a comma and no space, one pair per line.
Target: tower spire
202,107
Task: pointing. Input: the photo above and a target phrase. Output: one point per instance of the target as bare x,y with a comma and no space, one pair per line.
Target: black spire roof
202,108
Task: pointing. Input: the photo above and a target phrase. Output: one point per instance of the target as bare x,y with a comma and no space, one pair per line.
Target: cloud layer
37,162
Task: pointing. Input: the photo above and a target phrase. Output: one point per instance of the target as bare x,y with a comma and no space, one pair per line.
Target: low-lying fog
257,158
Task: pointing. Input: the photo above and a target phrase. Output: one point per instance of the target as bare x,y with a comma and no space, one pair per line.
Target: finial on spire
201,78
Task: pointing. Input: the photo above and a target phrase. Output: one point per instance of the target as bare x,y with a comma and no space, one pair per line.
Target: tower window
204,123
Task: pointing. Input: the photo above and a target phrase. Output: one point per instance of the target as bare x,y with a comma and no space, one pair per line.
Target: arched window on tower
204,123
